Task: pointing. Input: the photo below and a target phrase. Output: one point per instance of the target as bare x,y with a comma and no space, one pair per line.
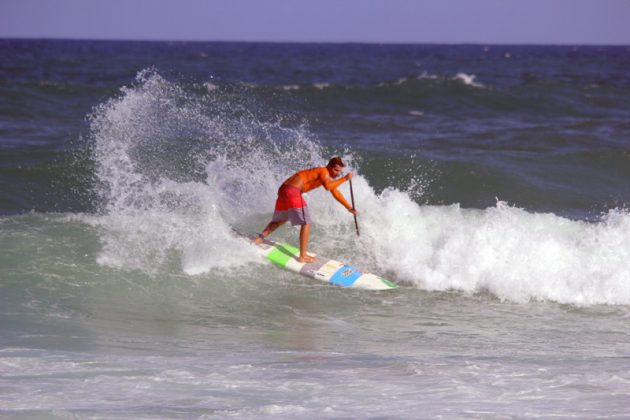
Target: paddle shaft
356,224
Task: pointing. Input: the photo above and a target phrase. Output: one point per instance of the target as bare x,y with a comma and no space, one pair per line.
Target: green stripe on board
281,254
389,283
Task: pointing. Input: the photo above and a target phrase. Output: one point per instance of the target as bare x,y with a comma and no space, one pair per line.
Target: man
290,204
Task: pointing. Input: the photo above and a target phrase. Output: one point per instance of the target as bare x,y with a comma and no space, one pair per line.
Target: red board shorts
291,206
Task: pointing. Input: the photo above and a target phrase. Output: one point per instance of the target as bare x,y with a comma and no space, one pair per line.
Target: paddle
356,224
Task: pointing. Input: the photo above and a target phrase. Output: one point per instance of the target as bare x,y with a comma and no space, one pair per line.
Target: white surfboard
329,271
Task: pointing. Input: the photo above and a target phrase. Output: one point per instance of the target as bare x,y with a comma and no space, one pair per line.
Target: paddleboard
323,269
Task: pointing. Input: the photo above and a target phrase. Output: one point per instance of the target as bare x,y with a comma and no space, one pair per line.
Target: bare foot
306,259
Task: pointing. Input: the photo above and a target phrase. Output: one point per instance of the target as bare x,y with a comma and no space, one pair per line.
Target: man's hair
335,161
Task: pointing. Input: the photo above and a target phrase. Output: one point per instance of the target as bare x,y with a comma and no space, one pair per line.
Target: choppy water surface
491,183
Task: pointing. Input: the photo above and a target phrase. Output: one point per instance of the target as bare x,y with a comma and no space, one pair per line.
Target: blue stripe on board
345,276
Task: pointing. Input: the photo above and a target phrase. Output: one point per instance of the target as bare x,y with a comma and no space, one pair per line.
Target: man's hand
349,176
353,211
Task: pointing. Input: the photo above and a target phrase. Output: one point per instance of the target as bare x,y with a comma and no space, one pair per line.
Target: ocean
491,183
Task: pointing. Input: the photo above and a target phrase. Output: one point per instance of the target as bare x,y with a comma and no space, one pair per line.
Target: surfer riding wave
291,206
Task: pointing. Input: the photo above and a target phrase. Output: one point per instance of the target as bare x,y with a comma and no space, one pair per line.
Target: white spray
153,211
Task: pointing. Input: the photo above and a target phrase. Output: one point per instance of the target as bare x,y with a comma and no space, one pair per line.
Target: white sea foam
515,255
467,79
148,215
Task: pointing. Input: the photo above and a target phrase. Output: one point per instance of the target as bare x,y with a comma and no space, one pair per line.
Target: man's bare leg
268,230
305,230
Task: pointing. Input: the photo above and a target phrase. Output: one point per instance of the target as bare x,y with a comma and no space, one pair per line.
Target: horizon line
463,43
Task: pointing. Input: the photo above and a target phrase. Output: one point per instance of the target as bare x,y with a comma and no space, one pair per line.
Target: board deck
326,270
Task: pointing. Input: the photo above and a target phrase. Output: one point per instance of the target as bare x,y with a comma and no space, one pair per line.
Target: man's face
335,171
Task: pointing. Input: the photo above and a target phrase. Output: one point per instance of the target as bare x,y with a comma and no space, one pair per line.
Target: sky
599,22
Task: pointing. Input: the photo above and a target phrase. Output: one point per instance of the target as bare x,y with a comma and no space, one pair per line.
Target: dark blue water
542,128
